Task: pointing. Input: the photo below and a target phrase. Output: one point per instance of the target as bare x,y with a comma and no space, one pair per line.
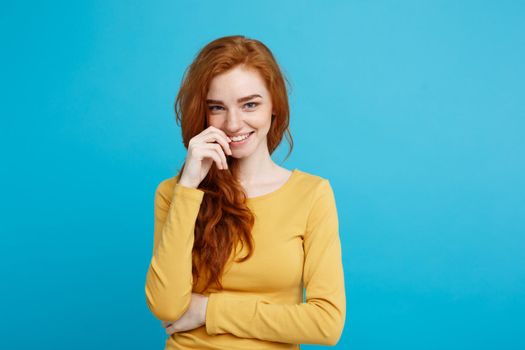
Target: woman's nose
233,119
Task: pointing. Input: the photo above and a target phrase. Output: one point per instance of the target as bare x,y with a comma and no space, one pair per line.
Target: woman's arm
169,279
320,320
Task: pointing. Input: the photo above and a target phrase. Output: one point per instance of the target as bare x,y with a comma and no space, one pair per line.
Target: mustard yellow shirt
297,245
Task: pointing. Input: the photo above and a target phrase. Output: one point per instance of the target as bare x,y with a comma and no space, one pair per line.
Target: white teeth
239,138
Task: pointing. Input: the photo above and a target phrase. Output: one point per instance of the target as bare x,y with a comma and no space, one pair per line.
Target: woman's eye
249,105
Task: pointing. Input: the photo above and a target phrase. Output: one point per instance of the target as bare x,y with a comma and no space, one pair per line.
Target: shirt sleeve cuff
211,314
188,192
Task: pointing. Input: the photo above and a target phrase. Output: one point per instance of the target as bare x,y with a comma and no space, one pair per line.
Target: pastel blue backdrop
412,109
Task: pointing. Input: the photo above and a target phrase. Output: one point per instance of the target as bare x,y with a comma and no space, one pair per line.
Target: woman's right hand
211,145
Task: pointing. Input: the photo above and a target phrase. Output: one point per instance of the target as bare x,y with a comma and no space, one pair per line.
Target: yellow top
296,241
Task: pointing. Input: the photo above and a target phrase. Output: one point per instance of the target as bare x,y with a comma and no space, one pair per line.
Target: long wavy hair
224,219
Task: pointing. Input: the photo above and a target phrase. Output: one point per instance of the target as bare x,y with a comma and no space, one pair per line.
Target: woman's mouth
244,140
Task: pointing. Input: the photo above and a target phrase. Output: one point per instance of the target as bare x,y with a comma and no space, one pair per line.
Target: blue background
412,109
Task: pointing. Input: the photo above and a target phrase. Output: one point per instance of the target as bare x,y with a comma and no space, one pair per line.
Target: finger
221,154
218,135
222,139
217,148
207,140
214,129
211,152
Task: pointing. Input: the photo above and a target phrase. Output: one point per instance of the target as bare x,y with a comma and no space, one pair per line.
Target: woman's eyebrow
242,99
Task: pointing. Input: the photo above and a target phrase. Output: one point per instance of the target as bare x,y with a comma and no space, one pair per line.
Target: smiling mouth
242,138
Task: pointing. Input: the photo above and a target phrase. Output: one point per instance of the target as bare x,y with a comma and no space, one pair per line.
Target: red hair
224,219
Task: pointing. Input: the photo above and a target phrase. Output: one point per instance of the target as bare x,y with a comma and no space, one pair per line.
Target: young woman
236,236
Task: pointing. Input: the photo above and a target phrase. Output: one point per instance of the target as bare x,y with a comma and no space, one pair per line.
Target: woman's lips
242,142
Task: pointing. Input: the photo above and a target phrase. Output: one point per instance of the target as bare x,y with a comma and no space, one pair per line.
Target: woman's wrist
186,183
203,310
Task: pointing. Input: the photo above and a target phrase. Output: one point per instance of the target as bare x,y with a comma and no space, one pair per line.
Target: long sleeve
169,278
319,320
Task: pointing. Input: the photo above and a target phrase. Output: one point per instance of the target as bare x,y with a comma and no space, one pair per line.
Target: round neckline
275,192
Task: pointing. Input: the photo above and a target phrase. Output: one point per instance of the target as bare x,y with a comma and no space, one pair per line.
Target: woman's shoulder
307,188
318,194
311,180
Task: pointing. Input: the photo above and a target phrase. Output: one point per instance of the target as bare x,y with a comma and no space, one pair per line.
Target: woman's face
238,103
